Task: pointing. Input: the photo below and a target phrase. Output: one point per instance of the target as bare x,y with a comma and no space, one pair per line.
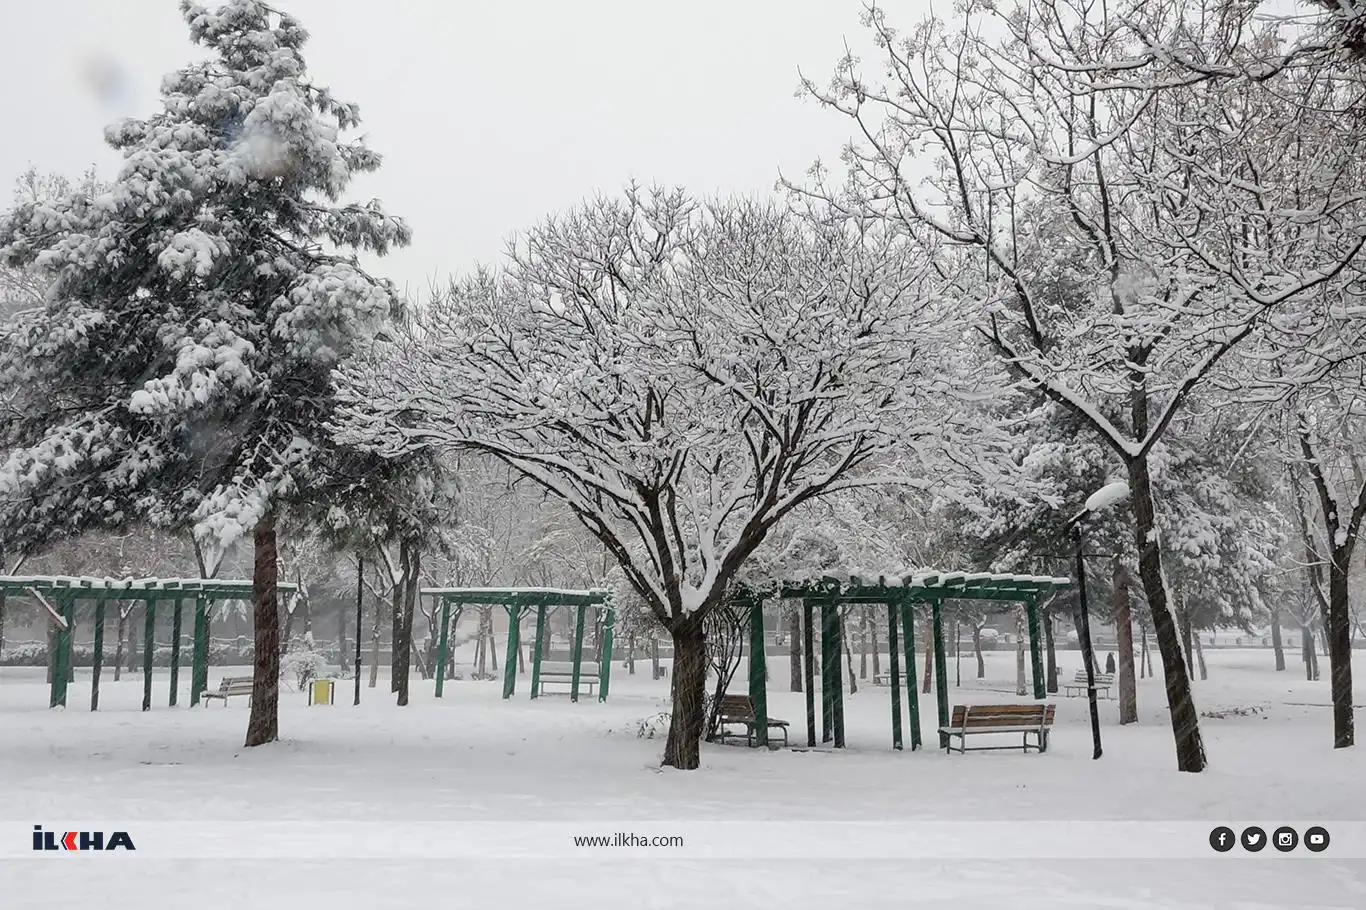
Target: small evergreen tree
181,368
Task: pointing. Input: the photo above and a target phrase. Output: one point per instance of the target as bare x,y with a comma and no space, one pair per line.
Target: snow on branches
681,374
182,364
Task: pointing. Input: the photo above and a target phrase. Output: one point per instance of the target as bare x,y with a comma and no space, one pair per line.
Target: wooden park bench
968,720
557,672
230,686
1103,681
882,679
739,710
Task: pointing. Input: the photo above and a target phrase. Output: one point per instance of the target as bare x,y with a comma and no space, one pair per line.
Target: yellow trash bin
320,692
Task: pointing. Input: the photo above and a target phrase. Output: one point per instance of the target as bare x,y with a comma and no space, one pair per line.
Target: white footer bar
671,840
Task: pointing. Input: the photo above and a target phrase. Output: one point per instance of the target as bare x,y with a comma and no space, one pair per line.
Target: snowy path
471,757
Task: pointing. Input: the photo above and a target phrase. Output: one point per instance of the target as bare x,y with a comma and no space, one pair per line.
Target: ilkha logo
80,840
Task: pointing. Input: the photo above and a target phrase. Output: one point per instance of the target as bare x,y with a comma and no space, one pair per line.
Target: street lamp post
1103,498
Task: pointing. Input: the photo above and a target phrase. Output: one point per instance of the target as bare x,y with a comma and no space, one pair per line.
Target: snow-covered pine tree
181,369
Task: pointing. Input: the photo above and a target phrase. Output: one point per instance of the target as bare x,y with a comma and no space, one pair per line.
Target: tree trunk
957,654
288,630
794,649
374,644
410,560
1276,642
132,644
3,598
1307,652
264,724
877,651
863,647
1200,657
1184,621
491,649
118,648
1124,640
682,748
977,651
929,656
848,654
654,657
344,655
1050,646
396,627
1190,749
1339,637
1020,685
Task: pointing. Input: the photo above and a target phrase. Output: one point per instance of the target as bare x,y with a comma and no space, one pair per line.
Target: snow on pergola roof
89,586
520,596
925,585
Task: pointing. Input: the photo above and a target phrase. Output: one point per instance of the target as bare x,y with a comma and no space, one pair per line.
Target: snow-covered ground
472,758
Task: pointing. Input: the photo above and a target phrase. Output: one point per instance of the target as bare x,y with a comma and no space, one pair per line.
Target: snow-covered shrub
305,662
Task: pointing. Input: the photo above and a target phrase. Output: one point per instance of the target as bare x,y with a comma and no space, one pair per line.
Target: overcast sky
490,113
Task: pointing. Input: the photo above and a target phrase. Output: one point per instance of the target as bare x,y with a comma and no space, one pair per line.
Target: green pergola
900,596
67,589
517,602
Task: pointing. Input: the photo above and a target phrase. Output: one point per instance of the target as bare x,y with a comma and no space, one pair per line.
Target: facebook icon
1222,839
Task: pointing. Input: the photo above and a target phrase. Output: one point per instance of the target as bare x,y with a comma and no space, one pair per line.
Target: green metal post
827,690
199,651
442,646
175,650
941,675
578,655
758,670
148,637
837,678
1035,651
61,652
809,677
97,657
514,637
894,660
912,676
536,652
605,665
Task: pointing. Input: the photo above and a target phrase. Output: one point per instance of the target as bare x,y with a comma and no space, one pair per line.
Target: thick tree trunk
1276,642
977,651
682,748
1307,653
1124,640
288,631
264,724
654,657
1339,637
1190,749
794,649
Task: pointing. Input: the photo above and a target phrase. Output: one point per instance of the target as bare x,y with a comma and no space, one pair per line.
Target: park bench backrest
566,668
1002,715
231,683
737,706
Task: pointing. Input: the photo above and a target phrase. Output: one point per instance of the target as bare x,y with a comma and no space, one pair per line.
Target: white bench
968,720
1103,681
561,672
230,686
